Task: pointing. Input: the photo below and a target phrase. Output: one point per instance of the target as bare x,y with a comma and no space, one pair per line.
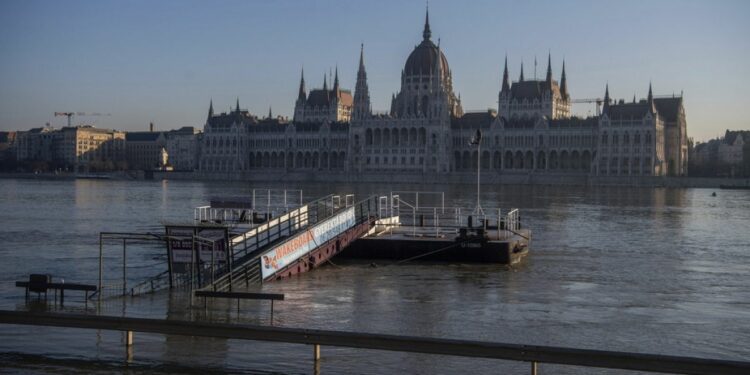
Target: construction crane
597,101
71,114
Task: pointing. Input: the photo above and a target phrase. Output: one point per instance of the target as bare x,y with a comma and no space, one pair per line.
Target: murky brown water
647,270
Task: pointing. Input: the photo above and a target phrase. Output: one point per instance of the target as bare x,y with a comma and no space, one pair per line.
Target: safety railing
425,214
534,355
246,250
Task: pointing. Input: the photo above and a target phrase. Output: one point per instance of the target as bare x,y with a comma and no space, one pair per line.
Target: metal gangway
245,266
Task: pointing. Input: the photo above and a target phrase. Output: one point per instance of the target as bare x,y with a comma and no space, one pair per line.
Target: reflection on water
638,269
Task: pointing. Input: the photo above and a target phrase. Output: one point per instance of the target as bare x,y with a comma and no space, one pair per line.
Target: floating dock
274,235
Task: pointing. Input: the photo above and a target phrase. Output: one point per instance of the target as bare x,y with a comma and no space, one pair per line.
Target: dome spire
426,34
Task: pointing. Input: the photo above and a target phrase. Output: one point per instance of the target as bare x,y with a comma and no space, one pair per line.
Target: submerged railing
531,354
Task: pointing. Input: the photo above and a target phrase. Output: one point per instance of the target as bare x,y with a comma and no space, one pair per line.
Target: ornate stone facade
427,132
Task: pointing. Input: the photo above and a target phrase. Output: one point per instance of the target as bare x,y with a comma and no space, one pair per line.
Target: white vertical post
316,352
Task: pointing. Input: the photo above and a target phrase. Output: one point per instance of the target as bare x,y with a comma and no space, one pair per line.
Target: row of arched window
396,137
564,160
300,160
626,138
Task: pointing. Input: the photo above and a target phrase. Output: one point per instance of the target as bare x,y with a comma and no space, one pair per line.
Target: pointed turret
520,78
336,82
426,34
270,113
210,109
506,79
651,106
361,92
564,83
302,93
549,68
605,109
237,108
325,83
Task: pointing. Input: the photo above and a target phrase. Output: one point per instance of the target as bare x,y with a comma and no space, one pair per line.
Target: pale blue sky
162,61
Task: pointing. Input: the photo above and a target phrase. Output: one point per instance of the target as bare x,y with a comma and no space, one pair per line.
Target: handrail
462,348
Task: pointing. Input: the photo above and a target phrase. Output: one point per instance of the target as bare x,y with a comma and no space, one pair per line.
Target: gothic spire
237,108
336,81
325,84
563,83
651,99
302,94
361,92
606,99
520,79
506,80
426,34
549,68
211,109
270,113
361,59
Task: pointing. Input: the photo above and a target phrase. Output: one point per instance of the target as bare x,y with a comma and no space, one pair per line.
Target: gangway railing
261,206
247,250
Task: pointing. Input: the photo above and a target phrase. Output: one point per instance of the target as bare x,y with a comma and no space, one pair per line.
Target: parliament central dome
422,60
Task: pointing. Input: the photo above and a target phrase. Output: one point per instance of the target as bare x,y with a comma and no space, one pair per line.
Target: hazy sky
162,61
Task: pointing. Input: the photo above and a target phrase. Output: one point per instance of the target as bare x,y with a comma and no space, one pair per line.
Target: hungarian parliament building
427,131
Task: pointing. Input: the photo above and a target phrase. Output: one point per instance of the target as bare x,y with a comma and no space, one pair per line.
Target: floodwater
651,270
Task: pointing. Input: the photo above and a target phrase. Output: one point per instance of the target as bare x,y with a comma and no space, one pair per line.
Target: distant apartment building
7,145
76,148
144,149
728,156
182,148
731,147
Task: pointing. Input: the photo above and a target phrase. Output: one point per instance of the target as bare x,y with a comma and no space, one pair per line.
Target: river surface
650,270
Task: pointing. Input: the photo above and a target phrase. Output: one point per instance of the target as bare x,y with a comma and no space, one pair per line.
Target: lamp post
477,140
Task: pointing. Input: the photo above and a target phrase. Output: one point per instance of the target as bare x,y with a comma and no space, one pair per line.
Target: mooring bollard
533,368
